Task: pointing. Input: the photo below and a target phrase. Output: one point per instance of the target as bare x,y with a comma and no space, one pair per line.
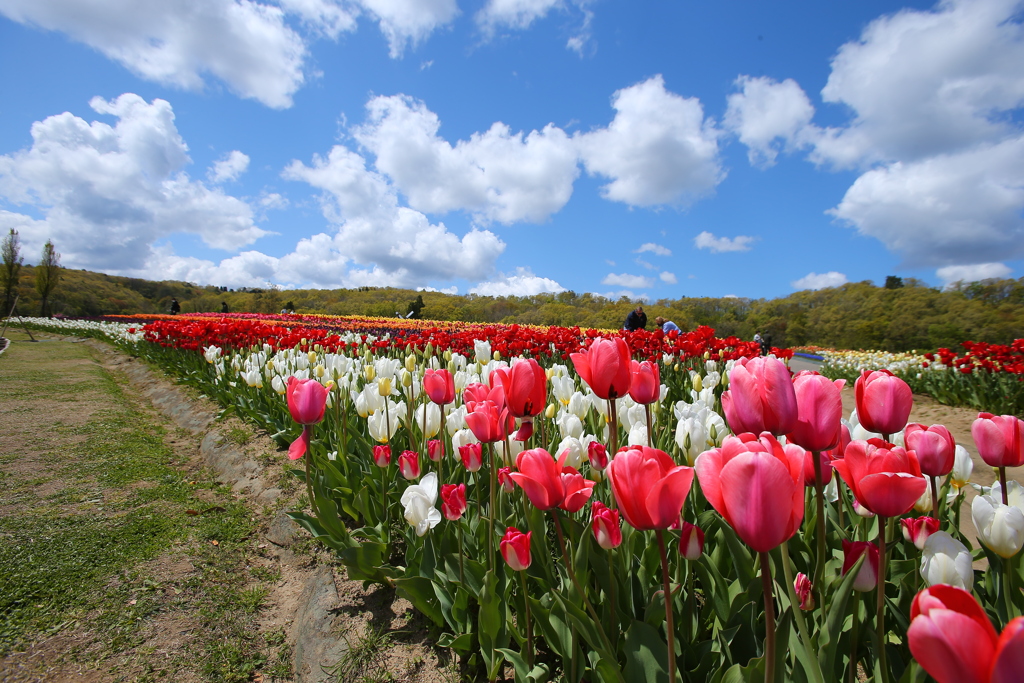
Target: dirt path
125,557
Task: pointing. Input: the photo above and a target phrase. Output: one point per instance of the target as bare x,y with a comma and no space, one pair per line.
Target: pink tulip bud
505,479
999,439
435,450
760,397
488,421
577,490
867,577
691,541
605,367
515,548
819,402
439,385
382,456
934,446
409,464
804,591
472,456
453,501
883,401
525,386
307,400
645,381
918,530
605,522
598,455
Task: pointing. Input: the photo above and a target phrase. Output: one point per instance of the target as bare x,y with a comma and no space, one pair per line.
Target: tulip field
581,505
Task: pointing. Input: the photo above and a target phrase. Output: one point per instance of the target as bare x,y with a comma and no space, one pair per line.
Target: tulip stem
881,663
529,625
492,475
613,428
650,434
794,602
1002,483
851,672
819,566
769,618
669,628
384,496
309,484
462,575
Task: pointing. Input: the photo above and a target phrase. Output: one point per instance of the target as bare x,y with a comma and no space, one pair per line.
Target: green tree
11,248
47,277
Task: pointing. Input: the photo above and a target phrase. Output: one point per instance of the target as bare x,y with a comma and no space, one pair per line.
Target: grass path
119,559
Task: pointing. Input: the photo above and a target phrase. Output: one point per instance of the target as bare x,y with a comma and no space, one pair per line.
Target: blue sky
646,149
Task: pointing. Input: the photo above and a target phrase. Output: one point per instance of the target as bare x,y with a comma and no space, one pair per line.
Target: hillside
904,315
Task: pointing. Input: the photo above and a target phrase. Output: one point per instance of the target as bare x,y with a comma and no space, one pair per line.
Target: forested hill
904,315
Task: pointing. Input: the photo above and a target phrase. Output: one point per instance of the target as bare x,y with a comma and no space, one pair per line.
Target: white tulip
482,350
963,467
462,437
383,424
428,419
419,501
946,560
562,388
1014,493
692,438
578,405
279,385
569,425
456,420
1000,527
576,452
637,434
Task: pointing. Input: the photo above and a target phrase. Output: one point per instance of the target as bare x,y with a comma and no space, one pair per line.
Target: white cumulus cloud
513,14
626,280
229,168
523,283
718,245
820,280
409,22
654,249
659,148
973,272
109,192
667,277
496,175
768,117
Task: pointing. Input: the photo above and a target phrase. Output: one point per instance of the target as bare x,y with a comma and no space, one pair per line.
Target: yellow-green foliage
857,315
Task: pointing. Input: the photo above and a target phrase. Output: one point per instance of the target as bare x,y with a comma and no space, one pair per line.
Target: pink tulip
918,530
577,490
488,422
515,548
760,397
382,456
999,439
605,523
826,468
934,446
472,456
691,541
645,381
952,639
649,487
756,484
435,450
867,577
804,591
453,501
540,477
525,387
409,464
605,367
819,403
505,481
439,385
307,400
884,478
598,455
883,401
477,392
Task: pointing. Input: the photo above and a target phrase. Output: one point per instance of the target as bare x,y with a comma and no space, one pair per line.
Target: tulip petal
890,494
666,497
299,446
708,467
952,647
1009,657
753,485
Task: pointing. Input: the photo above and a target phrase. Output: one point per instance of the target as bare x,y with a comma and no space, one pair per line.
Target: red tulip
883,401
540,477
885,479
505,480
598,455
691,541
577,490
307,400
819,404
952,639
453,501
999,439
488,422
756,484
605,523
382,456
760,397
804,591
525,387
649,487
409,464
645,382
867,577
605,367
934,446
435,450
472,456
515,548
477,392
918,530
439,385
826,468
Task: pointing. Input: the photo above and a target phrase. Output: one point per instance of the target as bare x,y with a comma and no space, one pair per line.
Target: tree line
902,315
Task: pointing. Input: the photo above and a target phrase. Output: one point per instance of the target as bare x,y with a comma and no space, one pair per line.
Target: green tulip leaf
646,654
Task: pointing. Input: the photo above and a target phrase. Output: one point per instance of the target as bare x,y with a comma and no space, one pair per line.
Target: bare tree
47,276
11,249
